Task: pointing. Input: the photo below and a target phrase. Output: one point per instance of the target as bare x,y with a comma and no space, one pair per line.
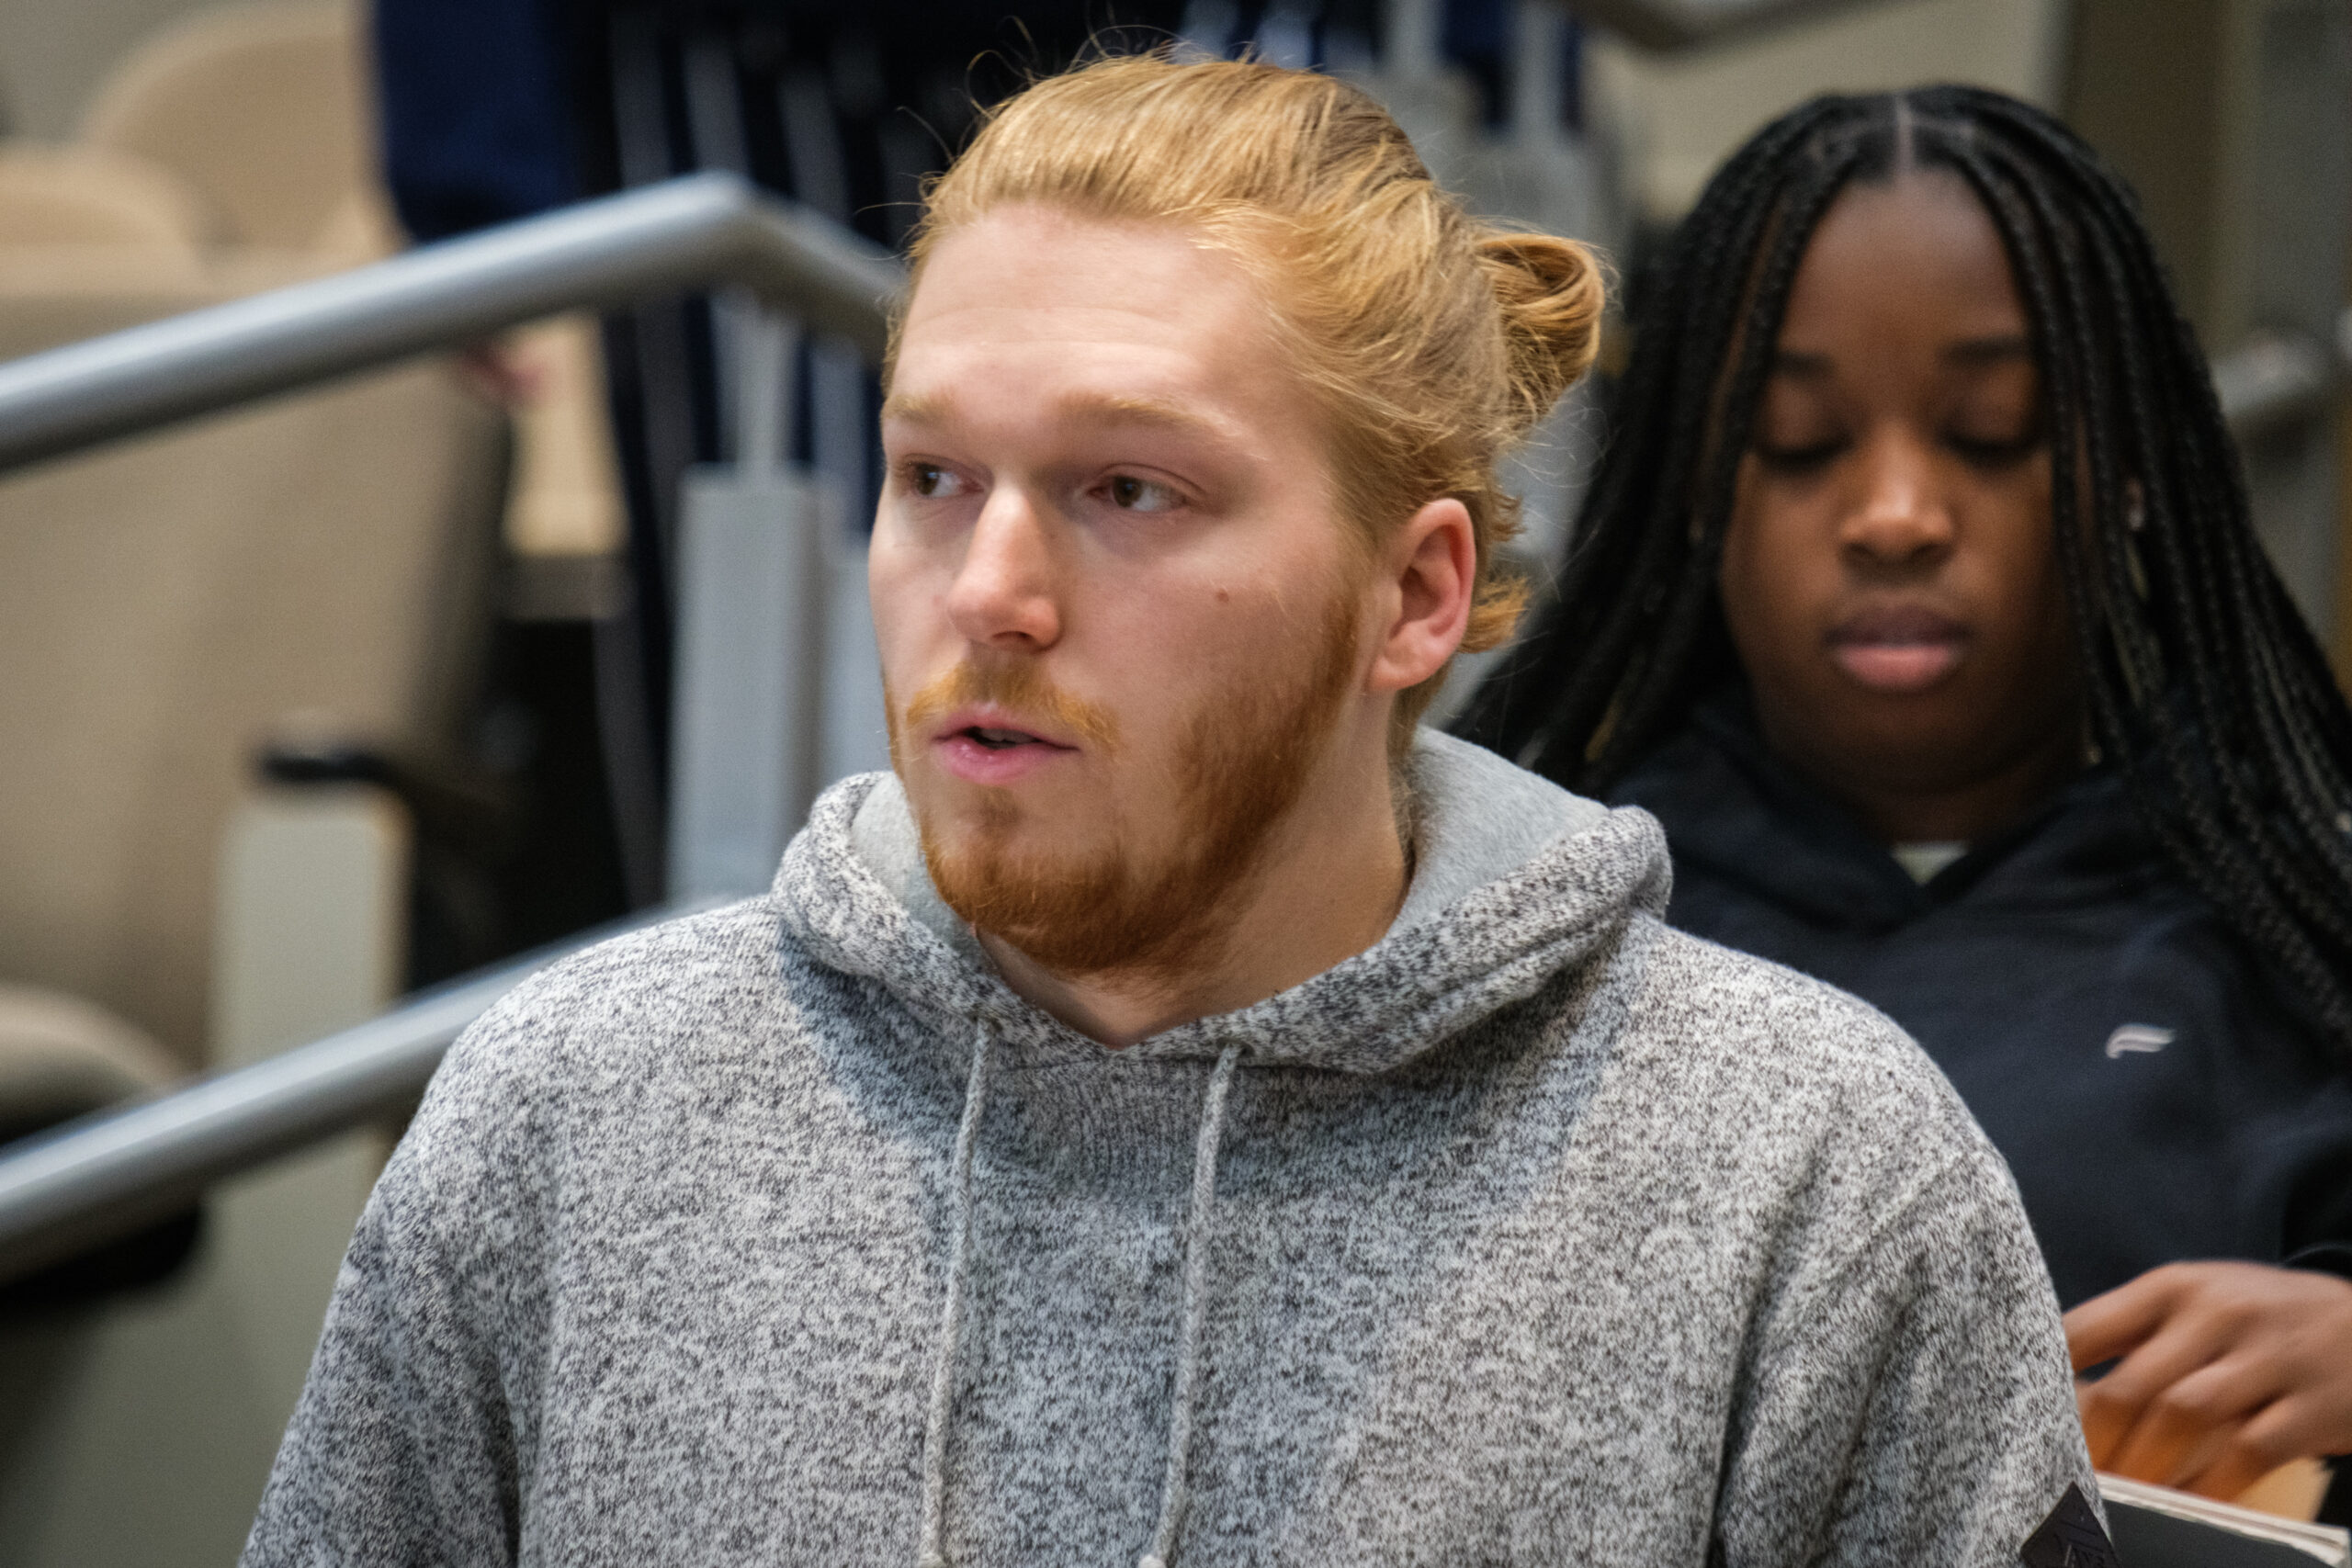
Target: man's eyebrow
1989,350
918,408
1103,407
1123,408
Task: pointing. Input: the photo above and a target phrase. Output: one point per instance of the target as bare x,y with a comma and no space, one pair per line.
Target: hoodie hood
1515,880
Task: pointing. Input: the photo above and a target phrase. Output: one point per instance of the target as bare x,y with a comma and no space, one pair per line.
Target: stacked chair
168,606
327,566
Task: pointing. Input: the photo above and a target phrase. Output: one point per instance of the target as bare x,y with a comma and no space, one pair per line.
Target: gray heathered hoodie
1537,1233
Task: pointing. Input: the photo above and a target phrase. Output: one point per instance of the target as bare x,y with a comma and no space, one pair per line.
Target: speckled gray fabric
1542,1233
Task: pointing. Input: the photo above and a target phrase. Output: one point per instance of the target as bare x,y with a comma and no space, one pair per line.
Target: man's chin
1012,845
1039,891
966,820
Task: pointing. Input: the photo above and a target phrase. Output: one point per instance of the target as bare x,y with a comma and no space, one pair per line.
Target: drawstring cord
1175,1491
932,1551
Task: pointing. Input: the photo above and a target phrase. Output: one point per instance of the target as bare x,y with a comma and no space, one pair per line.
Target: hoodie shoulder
599,1008
1788,1046
1730,976
570,1046
1905,1358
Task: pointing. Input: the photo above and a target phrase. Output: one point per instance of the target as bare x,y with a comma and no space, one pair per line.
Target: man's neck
1328,886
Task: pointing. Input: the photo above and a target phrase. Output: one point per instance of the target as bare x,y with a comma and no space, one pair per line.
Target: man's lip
1898,649
989,716
963,755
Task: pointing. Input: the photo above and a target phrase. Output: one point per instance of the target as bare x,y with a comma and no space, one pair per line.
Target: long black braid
2201,681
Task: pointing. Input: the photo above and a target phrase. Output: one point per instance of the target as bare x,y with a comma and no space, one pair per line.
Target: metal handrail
694,232
2277,379
109,1173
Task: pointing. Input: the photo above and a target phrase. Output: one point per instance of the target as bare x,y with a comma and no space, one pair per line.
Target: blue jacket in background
476,112
2152,1083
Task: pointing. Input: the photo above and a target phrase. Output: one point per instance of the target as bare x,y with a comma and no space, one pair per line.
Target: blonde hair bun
1552,293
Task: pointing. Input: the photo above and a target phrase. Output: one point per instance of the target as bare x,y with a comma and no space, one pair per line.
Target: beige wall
53,52
1681,114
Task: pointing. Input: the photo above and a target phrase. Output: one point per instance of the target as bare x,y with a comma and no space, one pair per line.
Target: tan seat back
168,605
165,606
260,107
60,1057
92,197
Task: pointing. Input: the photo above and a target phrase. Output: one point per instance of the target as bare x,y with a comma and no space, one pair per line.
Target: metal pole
695,231
1535,76
2274,381
841,427
753,587
106,1174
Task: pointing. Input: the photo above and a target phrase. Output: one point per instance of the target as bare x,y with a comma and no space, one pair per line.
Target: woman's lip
1899,648
1897,667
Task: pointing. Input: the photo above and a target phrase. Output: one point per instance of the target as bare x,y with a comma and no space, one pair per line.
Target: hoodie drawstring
932,1551
1175,1491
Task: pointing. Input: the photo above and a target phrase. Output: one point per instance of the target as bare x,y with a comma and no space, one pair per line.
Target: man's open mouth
995,754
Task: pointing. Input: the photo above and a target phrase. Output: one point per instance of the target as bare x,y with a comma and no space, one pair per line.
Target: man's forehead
1031,273
1043,318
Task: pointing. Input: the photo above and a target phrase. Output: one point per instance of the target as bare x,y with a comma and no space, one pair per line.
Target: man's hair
2202,682
1432,342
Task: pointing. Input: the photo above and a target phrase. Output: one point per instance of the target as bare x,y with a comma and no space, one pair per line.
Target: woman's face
1888,575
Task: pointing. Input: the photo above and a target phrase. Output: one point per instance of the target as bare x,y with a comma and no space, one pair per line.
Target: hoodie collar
1515,880
1737,812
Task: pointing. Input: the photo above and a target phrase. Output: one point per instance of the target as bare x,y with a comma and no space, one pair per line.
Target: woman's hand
2228,1370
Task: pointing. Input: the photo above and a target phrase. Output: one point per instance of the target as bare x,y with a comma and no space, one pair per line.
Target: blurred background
315,701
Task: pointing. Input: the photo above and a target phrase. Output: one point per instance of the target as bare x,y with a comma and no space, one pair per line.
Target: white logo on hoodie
2143,1038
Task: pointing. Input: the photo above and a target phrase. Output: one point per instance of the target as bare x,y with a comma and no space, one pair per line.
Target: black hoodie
2154,1086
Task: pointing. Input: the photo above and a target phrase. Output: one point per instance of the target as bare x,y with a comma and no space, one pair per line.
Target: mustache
1021,689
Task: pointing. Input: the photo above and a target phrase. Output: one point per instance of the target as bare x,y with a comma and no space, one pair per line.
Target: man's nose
1005,591
1900,515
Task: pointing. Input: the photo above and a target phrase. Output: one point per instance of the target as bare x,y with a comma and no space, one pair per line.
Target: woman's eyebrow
1802,364
1989,350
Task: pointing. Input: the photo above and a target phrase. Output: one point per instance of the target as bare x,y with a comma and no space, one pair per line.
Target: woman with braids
1916,595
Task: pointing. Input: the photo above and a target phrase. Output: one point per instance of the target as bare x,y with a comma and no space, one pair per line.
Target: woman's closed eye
1999,421
1800,457
1995,449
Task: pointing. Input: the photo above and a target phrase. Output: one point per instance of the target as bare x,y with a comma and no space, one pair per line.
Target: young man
1180,1116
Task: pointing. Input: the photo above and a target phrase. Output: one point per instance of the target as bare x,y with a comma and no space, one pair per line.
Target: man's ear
1429,569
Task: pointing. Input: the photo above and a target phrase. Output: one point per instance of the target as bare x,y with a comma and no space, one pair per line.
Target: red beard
1246,758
